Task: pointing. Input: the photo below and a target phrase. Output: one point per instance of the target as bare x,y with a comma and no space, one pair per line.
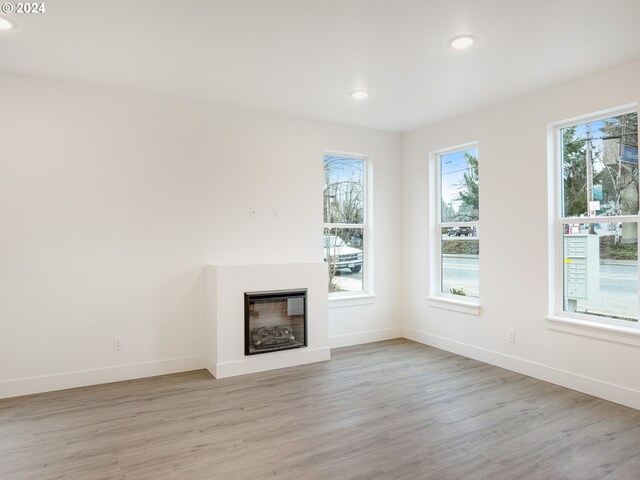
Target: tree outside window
459,226
598,222
344,205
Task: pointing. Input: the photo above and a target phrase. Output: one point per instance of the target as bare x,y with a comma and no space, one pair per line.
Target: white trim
345,225
594,117
599,219
96,376
434,237
457,148
591,386
360,338
556,220
435,230
341,153
367,226
450,303
349,300
553,212
629,335
269,361
460,224
597,320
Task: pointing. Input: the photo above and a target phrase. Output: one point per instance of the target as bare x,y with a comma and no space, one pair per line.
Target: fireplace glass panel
275,321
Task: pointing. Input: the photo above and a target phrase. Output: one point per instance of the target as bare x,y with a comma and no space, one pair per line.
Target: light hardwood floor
387,410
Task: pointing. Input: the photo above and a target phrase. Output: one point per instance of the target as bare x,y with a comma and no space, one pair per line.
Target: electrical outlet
117,343
276,214
512,336
252,212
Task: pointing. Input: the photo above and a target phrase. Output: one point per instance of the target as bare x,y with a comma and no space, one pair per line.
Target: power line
456,171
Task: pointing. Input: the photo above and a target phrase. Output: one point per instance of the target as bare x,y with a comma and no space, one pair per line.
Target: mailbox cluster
581,268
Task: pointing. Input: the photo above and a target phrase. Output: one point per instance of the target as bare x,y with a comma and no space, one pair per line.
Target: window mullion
600,219
344,225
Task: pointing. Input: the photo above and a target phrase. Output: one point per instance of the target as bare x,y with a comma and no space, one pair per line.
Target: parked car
342,255
459,231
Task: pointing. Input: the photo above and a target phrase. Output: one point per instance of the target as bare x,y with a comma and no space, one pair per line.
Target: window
345,223
596,220
456,226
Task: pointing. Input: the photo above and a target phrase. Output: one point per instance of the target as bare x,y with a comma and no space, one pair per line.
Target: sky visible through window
599,161
453,166
597,135
342,168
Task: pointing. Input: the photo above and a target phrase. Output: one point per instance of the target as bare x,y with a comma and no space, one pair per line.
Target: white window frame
365,295
556,310
437,298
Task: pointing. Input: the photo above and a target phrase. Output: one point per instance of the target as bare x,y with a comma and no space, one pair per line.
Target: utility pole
589,176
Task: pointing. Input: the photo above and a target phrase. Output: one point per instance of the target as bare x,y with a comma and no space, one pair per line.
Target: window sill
603,331
351,300
471,308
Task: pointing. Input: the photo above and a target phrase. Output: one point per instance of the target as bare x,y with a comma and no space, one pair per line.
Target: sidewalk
624,263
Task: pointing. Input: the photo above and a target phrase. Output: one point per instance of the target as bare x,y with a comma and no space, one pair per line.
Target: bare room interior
240,239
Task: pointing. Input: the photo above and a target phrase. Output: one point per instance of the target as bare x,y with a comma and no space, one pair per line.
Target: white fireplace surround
226,285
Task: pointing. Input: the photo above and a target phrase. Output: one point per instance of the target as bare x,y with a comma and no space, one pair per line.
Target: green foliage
617,181
624,127
461,247
448,213
574,161
468,193
619,178
610,250
457,291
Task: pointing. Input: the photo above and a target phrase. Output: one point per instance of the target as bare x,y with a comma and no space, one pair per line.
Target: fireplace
275,320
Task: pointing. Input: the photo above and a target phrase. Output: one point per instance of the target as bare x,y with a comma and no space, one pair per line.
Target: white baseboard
83,378
597,388
46,383
364,337
271,361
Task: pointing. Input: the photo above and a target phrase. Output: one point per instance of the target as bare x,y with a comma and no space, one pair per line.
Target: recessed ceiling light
5,24
462,41
359,94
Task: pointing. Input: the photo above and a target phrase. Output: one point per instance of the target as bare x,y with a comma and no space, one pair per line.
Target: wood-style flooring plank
388,410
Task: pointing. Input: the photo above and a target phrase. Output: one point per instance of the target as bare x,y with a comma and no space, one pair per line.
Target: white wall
112,202
512,140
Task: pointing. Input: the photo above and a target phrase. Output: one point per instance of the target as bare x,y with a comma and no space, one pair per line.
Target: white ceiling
304,57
